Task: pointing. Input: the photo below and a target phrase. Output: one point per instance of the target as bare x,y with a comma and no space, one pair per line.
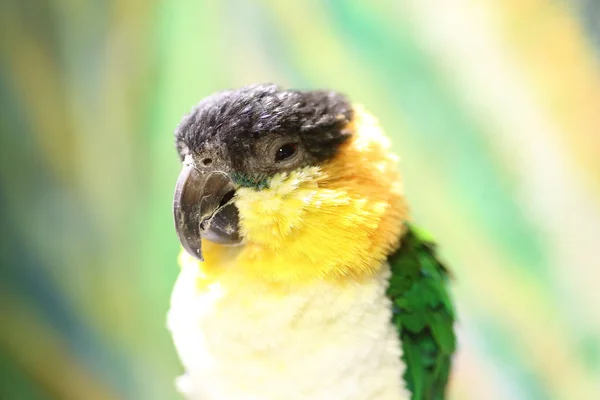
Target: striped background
493,106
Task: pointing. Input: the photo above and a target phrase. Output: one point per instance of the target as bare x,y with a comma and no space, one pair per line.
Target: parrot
301,274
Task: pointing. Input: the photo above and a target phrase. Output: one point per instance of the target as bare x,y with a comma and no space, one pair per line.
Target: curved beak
203,209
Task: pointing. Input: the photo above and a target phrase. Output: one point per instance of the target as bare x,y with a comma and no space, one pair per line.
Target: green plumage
423,315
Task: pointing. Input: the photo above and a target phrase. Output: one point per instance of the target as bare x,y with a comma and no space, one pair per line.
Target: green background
494,108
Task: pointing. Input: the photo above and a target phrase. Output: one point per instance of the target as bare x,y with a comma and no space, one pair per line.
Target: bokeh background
493,106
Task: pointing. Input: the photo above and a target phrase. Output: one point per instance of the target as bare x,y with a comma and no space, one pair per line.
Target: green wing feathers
423,315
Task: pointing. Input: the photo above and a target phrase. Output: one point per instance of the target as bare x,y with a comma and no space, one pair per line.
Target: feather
423,315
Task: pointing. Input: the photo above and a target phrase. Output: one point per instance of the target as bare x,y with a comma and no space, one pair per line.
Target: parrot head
286,186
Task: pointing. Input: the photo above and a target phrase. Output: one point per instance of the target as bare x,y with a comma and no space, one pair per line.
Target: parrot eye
286,151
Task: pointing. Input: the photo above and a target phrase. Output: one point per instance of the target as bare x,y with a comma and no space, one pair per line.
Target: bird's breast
238,340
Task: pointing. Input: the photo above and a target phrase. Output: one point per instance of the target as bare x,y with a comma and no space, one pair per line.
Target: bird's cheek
258,214
268,218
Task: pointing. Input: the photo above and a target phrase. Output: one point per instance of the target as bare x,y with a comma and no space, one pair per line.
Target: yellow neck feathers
337,221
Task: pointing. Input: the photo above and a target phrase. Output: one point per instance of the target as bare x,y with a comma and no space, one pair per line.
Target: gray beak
203,209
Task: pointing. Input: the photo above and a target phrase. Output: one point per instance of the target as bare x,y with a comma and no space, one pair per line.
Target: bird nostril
228,196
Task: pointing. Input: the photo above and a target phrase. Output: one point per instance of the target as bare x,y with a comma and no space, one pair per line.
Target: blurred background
494,108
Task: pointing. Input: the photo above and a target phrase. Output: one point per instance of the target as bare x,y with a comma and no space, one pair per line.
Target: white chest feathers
323,342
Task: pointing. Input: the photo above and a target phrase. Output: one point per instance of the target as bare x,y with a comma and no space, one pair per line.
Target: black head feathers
236,124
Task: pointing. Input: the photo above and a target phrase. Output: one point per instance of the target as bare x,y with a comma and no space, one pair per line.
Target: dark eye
286,151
